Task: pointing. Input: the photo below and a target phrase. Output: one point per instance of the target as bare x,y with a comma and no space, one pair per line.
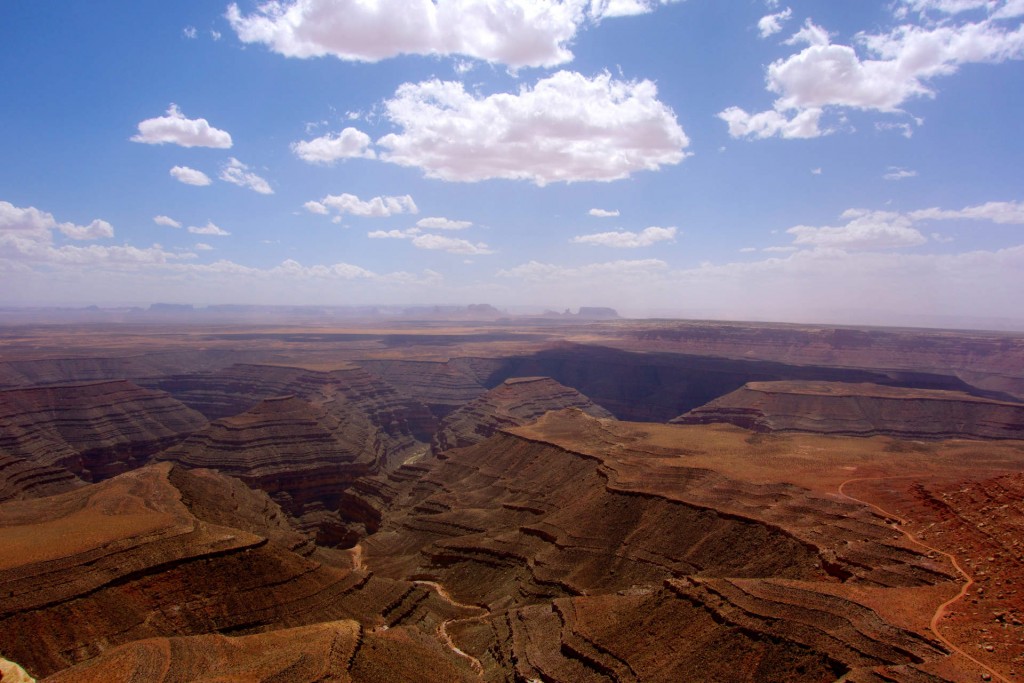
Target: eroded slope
862,410
94,430
162,552
514,402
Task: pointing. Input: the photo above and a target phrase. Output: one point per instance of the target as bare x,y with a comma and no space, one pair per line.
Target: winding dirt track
940,611
442,630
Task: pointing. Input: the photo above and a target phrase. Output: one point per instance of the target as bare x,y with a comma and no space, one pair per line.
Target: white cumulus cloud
766,124
897,66
209,229
567,127
166,221
1007,213
32,225
237,173
771,24
863,230
899,173
96,230
514,33
377,207
439,223
190,176
393,234
202,246
350,143
628,240
174,128
452,245
604,213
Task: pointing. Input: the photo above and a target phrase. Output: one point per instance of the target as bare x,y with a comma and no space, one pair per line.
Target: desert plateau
512,341
511,499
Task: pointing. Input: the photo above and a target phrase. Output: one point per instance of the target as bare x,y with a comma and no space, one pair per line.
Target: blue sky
806,161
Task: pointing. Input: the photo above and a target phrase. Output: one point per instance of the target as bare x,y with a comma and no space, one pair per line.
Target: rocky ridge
94,430
314,459
165,552
515,402
862,410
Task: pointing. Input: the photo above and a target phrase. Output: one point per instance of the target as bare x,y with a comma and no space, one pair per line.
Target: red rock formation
575,545
332,651
95,430
309,458
21,478
161,552
987,360
515,402
521,517
89,368
862,410
240,387
695,630
442,387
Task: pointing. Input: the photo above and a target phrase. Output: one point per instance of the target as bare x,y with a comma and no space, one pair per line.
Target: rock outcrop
163,552
575,542
862,410
441,386
720,630
517,401
241,387
562,508
991,361
331,651
21,478
311,458
94,430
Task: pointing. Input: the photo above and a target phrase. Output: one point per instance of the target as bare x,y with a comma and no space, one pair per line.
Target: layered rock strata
515,402
22,478
241,387
991,361
94,430
862,410
593,560
333,651
311,458
163,552
441,386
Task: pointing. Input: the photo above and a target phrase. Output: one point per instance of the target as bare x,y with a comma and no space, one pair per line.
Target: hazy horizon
768,160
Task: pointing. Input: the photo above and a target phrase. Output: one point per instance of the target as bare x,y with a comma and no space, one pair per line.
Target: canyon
552,499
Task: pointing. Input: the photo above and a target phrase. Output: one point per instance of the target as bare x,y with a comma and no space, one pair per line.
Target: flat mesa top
648,453
843,389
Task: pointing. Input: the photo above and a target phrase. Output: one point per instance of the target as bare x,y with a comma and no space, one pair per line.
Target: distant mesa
171,308
585,313
517,401
862,409
597,313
